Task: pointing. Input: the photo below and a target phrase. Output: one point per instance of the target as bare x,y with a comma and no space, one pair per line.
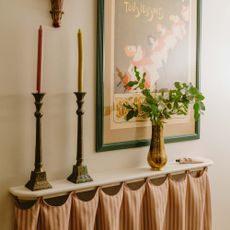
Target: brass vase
157,157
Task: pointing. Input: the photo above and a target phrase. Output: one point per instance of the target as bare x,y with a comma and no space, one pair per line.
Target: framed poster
161,39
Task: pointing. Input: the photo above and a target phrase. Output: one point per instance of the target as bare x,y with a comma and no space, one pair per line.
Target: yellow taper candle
80,61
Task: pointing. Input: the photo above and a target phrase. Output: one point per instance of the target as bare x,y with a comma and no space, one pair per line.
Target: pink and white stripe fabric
110,210
55,217
176,204
26,219
83,213
198,208
157,204
133,206
183,204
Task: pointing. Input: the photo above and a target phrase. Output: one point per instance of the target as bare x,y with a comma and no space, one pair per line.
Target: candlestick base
79,175
38,181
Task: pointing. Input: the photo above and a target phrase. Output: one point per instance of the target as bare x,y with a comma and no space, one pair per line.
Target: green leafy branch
164,104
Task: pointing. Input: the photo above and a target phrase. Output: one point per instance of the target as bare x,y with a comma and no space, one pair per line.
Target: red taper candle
39,63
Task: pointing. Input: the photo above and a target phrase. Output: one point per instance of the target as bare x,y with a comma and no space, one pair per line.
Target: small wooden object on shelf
56,12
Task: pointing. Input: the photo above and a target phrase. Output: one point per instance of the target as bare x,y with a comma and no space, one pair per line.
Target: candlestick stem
80,172
38,179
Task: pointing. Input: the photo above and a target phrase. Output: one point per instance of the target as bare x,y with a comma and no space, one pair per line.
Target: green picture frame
101,144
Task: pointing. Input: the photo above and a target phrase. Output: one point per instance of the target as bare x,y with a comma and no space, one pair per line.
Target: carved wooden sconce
56,12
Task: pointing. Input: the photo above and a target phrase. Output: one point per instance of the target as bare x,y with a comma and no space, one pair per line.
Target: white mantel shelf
107,178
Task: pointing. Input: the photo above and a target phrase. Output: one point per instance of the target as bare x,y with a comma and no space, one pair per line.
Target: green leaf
131,83
178,85
146,92
150,100
196,108
141,86
143,78
137,73
200,97
185,85
130,115
193,90
146,109
202,106
196,116
154,108
169,105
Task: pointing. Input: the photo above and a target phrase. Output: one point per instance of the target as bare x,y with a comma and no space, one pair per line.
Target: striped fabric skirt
164,204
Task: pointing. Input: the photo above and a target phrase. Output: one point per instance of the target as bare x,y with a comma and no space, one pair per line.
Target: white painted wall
19,21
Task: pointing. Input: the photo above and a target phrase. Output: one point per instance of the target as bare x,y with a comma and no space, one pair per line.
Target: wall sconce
56,12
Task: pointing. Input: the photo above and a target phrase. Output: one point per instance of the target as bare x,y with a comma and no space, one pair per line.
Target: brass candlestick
80,172
38,179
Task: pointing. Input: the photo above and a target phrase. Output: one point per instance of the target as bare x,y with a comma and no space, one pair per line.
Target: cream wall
19,21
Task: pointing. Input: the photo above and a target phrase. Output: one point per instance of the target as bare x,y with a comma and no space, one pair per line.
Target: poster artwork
158,45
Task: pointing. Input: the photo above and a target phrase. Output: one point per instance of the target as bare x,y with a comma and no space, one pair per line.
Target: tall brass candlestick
80,172
38,179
